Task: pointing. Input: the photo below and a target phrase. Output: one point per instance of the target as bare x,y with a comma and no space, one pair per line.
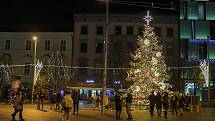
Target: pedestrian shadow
43,110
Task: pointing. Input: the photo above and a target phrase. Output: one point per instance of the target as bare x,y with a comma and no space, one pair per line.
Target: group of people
118,105
18,105
70,100
175,102
97,101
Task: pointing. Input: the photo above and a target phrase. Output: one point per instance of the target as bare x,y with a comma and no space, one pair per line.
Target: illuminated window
201,11
210,8
185,29
202,29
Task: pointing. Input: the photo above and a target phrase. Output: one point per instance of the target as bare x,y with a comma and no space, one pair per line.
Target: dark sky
57,15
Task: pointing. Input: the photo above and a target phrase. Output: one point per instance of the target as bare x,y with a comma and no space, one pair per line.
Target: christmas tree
148,69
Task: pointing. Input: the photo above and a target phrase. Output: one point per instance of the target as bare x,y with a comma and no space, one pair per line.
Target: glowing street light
35,59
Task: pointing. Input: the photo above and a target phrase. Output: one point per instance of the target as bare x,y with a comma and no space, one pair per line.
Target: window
7,45
157,31
83,70
63,45
169,51
201,11
28,45
130,47
203,50
83,48
99,30
47,44
209,10
169,32
118,30
84,30
129,30
27,69
99,47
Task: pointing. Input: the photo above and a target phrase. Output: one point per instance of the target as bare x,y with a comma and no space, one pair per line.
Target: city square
31,114
148,60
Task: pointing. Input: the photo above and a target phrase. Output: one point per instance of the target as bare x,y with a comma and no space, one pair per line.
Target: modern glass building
197,43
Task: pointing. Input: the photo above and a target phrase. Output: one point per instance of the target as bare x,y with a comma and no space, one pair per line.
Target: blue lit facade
197,42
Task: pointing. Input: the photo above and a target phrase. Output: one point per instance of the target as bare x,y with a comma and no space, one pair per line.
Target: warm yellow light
34,38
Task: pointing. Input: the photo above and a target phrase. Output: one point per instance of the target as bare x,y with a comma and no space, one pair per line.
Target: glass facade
197,40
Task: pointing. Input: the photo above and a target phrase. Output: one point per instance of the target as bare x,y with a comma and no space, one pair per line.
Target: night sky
57,15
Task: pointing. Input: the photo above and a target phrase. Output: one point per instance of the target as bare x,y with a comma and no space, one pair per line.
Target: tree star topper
148,18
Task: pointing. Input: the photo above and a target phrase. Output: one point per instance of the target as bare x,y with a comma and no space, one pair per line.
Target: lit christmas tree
148,69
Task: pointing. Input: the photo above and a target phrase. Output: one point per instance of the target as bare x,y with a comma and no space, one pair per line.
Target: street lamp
105,57
35,58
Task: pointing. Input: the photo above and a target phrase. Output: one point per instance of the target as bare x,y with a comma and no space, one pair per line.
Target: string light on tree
148,69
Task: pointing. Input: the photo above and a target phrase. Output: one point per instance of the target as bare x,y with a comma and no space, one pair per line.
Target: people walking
58,100
76,98
165,103
98,101
158,101
152,102
40,97
118,105
174,100
53,101
67,105
129,99
181,103
18,107
38,101
106,102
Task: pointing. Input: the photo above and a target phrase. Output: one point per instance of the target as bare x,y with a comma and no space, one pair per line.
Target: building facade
17,51
197,43
89,32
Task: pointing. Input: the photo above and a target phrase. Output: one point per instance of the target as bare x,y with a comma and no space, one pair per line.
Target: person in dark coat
53,100
152,102
158,103
165,103
129,100
76,98
118,105
181,103
18,107
174,100
58,101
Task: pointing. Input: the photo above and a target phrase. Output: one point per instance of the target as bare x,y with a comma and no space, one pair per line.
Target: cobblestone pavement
31,114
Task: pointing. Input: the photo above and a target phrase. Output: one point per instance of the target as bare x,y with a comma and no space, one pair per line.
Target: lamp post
35,59
105,56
